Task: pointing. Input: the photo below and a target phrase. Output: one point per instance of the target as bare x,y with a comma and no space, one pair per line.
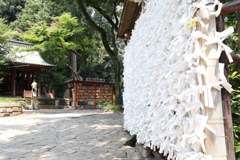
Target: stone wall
47,103
10,109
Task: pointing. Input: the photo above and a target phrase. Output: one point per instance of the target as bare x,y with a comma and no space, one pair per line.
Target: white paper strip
163,81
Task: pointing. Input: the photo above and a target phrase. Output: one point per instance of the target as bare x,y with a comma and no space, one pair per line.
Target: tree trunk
74,66
113,54
74,61
117,90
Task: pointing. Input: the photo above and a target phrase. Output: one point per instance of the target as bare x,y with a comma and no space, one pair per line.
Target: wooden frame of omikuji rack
90,95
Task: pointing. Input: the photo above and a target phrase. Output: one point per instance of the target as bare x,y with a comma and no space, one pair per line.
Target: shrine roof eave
131,12
20,64
29,58
29,67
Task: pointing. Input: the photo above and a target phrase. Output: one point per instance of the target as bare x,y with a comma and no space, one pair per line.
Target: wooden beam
130,14
238,24
215,145
128,35
228,126
230,7
236,59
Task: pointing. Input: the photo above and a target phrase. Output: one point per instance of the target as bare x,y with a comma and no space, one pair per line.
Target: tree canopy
4,48
59,40
10,9
35,11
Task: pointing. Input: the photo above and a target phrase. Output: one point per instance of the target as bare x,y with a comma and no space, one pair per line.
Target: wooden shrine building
24,68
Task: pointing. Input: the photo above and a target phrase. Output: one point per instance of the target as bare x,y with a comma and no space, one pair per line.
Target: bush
103,103
6,100
9,100
113,108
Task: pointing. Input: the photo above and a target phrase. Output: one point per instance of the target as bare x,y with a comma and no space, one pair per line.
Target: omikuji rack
87,95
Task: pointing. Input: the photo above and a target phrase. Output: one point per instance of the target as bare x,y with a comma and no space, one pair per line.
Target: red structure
90,95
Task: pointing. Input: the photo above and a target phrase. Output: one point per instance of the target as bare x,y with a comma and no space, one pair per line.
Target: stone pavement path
63,135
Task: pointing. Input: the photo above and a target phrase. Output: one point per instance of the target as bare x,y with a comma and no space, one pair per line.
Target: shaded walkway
63,134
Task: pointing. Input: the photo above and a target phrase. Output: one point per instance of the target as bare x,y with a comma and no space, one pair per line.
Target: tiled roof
31,57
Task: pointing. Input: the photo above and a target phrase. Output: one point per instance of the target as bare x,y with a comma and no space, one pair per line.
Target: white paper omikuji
163,81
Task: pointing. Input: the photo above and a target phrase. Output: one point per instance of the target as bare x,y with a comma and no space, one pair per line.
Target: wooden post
215,143
39,90
28,84
95,96
238,20
14,83
74,90
226,100
112,86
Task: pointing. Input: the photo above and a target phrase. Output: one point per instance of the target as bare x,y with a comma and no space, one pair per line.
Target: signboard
95,79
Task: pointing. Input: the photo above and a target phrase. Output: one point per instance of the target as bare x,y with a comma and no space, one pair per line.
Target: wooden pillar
228,126
238,20
95,96
74,90
22,79
39,91
14,83
112,86
28,80
215,144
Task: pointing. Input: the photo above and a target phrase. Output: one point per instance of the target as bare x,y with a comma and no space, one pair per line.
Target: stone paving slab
63,135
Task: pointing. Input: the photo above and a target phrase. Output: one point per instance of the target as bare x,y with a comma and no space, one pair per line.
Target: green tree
59,40
103,17
34,11
40,10
4,48
10,9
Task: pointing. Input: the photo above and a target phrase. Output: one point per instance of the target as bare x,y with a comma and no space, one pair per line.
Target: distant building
24,67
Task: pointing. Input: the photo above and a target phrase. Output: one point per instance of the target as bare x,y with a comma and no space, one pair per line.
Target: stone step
147,154
134,154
